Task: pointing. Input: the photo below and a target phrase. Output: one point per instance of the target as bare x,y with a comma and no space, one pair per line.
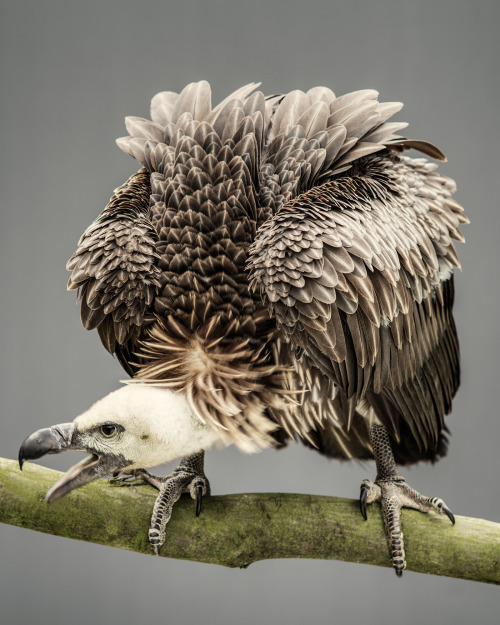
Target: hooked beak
63,437
47,441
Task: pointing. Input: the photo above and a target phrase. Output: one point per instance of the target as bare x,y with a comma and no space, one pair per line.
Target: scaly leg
188,477
393,493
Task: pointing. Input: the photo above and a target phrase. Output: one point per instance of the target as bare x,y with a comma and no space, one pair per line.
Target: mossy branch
236,530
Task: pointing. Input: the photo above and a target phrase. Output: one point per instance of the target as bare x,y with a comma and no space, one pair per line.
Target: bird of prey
277,269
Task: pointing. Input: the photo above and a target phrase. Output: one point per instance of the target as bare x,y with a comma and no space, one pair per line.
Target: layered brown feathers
279,262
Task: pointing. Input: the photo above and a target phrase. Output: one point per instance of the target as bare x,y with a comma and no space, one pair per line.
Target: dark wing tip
426,147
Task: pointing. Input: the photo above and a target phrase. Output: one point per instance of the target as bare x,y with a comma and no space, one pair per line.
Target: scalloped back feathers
287,143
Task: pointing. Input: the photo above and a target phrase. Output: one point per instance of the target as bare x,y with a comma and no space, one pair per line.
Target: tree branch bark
236,530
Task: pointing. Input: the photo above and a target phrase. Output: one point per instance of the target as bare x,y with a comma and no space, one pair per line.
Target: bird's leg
188,477
393,493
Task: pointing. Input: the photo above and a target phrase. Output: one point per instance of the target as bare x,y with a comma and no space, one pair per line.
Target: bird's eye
108,430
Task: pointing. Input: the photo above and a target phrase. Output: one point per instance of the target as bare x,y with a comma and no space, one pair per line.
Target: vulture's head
137,426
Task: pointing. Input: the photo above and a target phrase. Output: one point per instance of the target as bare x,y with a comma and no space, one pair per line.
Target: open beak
62,437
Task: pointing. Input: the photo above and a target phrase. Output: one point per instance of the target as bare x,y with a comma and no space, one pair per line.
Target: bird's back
279,262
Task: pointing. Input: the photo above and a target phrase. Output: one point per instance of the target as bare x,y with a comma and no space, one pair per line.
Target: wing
115,268
357,273
315,136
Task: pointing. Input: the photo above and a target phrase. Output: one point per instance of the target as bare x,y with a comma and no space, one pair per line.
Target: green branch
236,530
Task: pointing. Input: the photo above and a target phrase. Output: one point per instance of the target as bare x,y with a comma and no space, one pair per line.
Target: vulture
278,268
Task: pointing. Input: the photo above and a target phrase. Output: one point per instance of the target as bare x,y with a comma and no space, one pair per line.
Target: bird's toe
394,494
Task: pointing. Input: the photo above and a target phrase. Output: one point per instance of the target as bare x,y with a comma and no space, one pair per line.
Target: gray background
71,71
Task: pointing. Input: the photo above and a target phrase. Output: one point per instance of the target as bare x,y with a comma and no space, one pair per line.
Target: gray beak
63,437
47,441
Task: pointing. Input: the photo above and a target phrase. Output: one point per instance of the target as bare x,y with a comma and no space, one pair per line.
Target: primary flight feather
276,269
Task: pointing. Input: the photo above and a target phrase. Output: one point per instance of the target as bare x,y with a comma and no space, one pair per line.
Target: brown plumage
283,264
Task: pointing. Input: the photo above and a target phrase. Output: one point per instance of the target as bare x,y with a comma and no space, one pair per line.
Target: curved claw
199,498
362,500
448,512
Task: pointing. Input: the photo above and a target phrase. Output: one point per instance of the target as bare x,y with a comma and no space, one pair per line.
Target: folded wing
358,274
115,268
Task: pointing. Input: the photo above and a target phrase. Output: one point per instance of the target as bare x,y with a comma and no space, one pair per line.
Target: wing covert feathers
357,273
279,261
114,267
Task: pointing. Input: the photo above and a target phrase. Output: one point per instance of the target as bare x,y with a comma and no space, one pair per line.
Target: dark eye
108,430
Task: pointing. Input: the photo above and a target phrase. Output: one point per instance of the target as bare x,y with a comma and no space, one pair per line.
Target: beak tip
46,441
50,497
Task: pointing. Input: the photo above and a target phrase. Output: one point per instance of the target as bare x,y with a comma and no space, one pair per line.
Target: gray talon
362,500
188,477
449,514
199,499
442,507
393,493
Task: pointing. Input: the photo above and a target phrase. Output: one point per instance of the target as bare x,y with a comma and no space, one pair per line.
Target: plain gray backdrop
70,73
